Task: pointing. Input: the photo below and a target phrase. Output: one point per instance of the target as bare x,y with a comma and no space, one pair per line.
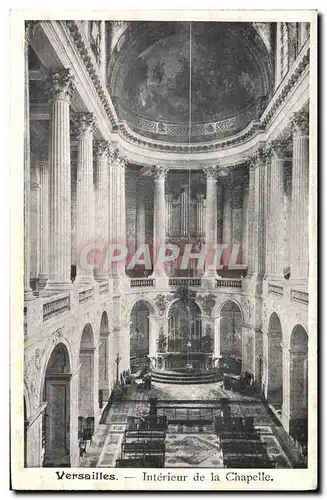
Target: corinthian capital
300,122
83,123
280,147
210,172
101,148
260,156
159,172
60,84
116,156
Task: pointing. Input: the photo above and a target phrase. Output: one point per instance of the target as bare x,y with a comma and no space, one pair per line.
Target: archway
86,391
104,374
299,386
187,343
274,362
231,337
139,335
56,417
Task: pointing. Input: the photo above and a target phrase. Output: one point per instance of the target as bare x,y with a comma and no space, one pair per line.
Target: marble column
84,124
60,85
268,220
227,218
210,215
245,228
28,294
236,203
287,214
159,231
276,238
44,224
112,206
199,215
102,205
35,201
140,215
257,193
250,216
219,212
300,198
117,206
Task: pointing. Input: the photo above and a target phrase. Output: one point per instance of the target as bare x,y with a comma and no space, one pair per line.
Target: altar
179,361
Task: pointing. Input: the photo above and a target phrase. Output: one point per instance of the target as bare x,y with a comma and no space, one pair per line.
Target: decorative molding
207,302
88,58
161,303
286,88
127,133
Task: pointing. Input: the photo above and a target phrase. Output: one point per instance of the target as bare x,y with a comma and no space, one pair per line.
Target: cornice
301,64
132,137
92,67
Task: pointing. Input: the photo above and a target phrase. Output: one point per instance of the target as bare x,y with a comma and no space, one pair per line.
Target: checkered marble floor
186,446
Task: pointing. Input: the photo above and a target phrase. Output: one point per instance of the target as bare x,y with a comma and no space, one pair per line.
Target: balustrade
56,307
103,288
142,282
276,290
229,283
86,295
299,296
184,281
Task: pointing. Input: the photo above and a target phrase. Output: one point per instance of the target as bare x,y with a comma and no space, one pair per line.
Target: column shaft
85,199
210,215
102,205
227,218
60,89
159,218
277,210
300,195
44,224
245,229
28,295
256,206
140,216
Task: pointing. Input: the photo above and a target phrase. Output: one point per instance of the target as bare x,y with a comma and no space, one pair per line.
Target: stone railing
142,282
56,307
86,295
228,283
276,290
185,282
300,296
104,288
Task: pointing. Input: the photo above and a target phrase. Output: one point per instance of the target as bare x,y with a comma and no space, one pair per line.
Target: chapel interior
186,134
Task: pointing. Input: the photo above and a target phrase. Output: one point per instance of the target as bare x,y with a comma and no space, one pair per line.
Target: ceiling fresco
208,75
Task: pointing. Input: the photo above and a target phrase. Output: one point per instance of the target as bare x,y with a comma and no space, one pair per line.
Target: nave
187,430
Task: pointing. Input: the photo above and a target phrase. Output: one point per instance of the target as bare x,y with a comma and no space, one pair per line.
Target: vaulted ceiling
165,75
